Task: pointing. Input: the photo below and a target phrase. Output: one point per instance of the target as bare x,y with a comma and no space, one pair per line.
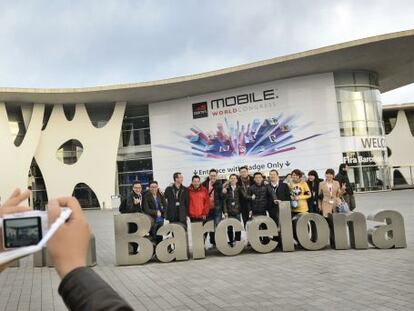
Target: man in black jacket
281,191
215,189
133,203
260,196
231,206
342,178
244,182
176,196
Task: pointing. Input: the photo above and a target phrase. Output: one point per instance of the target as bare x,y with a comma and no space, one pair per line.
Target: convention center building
310,110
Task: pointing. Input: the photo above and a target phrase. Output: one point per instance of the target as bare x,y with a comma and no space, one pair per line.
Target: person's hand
204,217
158,214
224,190
69,245
226,215
11,206
253,196
16,198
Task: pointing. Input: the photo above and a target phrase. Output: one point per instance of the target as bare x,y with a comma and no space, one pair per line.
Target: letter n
357,226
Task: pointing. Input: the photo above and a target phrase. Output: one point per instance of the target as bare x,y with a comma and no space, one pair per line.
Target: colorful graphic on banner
233,139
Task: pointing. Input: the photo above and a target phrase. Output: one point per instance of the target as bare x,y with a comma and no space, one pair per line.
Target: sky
99,42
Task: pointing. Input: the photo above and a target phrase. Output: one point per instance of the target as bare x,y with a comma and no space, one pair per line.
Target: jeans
218,215
244,212
156,238
230,232
211,216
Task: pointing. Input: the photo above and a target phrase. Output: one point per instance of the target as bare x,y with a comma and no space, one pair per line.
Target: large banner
281,125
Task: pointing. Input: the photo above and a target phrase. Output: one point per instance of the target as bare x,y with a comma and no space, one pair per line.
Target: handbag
342,207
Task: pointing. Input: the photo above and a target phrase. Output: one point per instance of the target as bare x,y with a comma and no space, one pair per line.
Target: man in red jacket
198,207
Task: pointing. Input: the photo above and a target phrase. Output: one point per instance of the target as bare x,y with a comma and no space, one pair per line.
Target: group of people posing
242,197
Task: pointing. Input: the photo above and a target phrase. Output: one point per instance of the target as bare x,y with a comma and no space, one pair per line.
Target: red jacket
198,202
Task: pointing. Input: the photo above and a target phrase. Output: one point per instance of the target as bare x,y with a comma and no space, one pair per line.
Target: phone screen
19,232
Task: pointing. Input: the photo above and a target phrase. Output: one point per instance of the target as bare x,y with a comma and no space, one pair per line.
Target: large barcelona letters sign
340,231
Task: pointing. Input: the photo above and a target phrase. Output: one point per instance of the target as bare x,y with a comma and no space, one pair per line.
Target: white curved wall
401,142
97,165
15,161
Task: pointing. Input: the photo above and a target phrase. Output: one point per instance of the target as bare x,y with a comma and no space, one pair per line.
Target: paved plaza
302,280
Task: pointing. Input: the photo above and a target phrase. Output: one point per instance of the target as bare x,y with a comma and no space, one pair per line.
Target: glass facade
37,184
133,170
85,195
360,114
134,156
390,119
70,151
135,127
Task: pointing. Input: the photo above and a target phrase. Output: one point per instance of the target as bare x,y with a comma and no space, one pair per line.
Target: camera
23,229
28,232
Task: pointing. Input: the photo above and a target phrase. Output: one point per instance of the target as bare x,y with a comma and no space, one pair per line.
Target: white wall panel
15,161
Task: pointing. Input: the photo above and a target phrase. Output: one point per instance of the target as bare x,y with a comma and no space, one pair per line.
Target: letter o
322,229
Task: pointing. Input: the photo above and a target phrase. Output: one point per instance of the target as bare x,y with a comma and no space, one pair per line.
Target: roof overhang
393,107
390,55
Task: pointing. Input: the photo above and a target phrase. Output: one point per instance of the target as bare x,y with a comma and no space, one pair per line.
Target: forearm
83,289
150,211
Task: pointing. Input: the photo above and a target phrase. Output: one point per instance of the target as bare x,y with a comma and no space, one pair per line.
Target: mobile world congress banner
281,125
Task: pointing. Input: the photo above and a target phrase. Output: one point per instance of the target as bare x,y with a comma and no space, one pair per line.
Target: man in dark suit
177,200
282,192
155,206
